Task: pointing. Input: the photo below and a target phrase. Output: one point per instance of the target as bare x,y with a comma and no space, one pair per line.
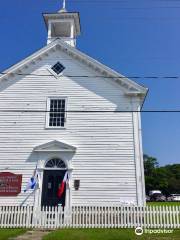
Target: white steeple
64,25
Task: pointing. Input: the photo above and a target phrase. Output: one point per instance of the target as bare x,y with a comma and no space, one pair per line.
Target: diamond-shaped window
58,68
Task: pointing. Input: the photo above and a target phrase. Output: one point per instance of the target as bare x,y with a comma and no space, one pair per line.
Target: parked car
152,192
157,196
174,197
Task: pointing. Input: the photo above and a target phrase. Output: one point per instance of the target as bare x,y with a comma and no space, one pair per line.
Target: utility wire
123,6
93,76
93,111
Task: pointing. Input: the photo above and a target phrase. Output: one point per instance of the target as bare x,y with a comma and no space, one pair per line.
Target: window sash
56,113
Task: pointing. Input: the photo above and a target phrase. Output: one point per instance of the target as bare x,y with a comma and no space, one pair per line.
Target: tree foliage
166,178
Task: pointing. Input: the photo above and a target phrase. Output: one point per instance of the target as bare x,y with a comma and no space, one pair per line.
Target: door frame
49,150
40,168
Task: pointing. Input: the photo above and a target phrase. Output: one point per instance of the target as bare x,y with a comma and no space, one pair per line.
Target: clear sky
134,37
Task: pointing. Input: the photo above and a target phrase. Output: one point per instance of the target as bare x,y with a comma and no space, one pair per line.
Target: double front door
52,179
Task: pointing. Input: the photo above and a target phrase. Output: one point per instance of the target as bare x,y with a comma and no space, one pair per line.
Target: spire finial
64,4
64,7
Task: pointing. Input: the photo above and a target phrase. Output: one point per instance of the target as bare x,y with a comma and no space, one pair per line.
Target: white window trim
48,111
55,74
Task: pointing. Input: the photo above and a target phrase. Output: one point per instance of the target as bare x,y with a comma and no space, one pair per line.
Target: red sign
10,184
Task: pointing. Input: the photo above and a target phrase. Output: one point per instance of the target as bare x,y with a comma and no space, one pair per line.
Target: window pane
58,68
57,113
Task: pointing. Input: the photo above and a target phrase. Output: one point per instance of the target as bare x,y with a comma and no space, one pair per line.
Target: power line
93,76
122,3
93,111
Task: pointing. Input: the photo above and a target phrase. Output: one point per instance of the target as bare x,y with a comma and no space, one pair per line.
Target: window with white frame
56,112
58,68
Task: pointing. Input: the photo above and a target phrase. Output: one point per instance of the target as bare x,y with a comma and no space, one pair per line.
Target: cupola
63,24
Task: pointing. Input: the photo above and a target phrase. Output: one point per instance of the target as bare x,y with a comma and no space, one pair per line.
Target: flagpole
34,190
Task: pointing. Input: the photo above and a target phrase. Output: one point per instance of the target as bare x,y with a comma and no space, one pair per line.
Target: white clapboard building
62,111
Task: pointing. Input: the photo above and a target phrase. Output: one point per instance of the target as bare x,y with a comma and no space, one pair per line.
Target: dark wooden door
51,181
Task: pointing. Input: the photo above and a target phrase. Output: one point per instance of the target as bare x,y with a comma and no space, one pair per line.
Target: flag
33,181
62,186
31,184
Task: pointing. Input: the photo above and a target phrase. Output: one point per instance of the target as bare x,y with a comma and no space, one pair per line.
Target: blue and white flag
31,184
33,181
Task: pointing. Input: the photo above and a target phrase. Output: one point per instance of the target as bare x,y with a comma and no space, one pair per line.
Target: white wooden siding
104,161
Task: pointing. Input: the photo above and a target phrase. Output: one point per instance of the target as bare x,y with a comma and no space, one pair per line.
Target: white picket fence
90,217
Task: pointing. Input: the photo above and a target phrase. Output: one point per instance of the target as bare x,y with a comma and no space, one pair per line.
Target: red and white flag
62,185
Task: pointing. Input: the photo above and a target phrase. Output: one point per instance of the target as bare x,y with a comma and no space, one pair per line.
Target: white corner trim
138,157
141,156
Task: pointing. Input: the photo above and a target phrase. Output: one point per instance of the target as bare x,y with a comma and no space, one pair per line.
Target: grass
163,203
107,234
8,233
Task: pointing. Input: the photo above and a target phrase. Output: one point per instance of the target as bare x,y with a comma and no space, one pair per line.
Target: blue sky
136,38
